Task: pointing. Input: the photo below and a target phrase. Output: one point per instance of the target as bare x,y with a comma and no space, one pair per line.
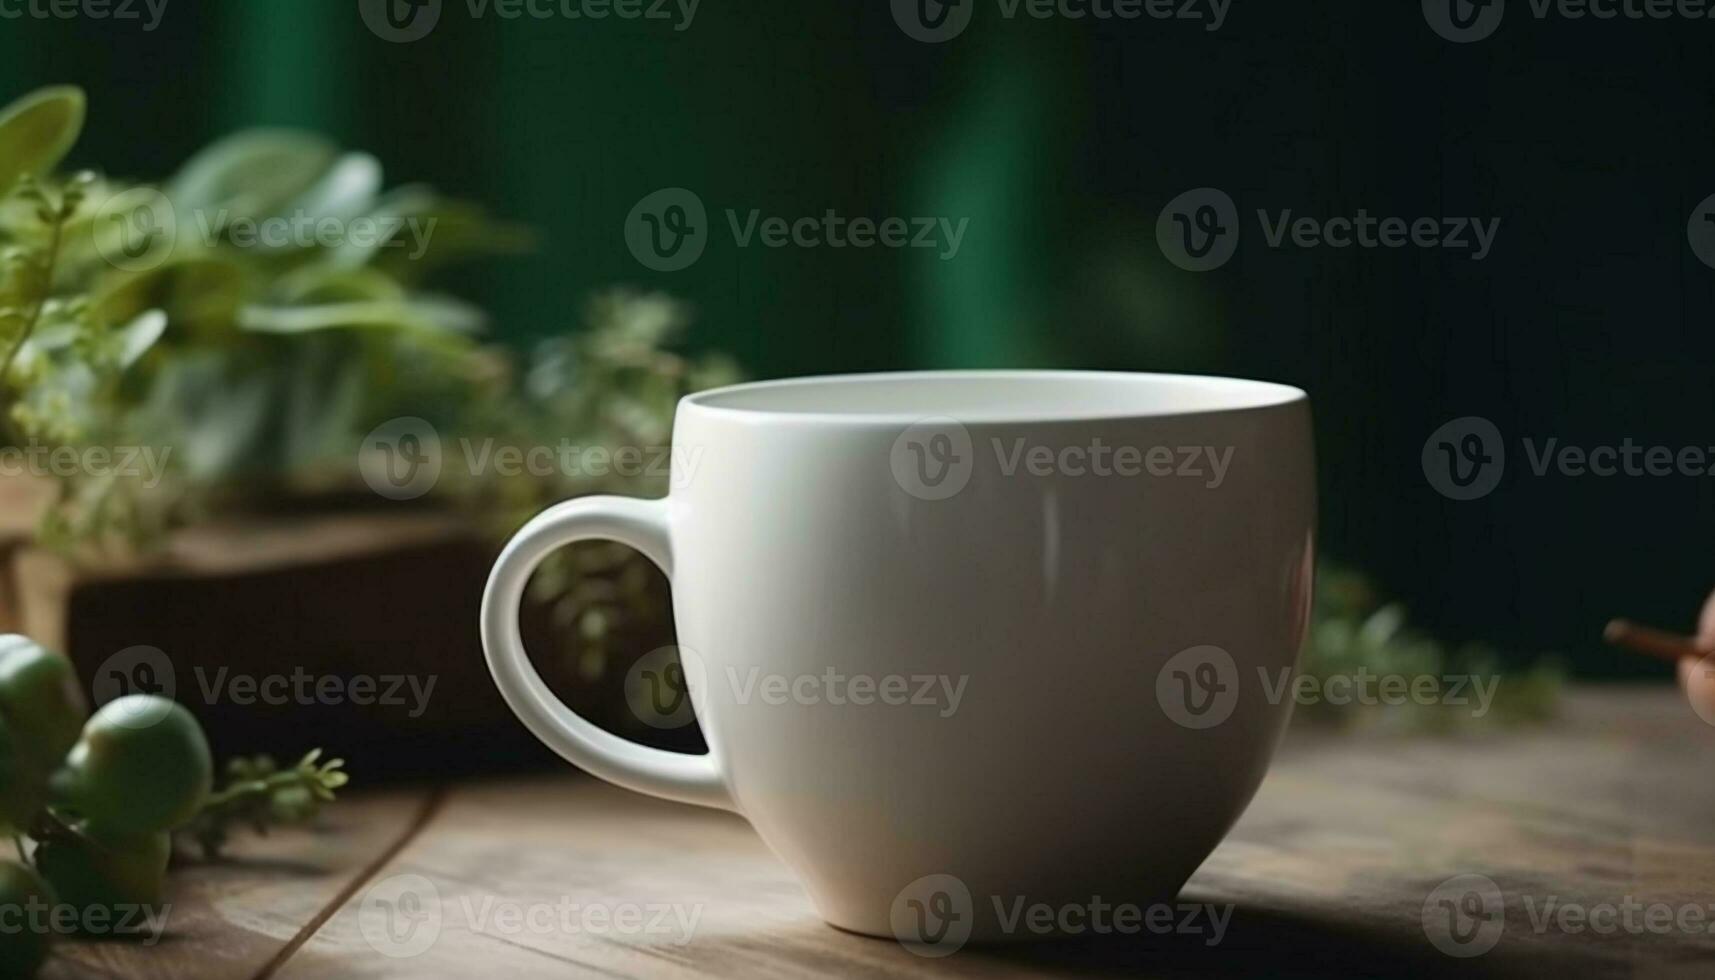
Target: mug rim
1233,395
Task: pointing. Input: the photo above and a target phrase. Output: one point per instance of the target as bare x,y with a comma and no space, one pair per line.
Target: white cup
1003,629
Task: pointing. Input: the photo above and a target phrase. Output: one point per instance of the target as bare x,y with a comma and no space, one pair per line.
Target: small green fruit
25,901
120,875
142,766
20,796
40,701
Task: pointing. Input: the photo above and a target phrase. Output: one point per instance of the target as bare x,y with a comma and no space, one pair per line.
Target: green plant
260,795
250,317
154,316
1355,634
92,801
616,383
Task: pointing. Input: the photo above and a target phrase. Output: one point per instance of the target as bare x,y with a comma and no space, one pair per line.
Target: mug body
991,637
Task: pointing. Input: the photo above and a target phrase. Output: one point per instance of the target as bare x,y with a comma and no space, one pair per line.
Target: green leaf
38,130
398,208
251,174
138,336
1382,625
324,402
347,189
424,315
321,283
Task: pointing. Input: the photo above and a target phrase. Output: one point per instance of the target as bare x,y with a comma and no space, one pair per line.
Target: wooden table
1329,874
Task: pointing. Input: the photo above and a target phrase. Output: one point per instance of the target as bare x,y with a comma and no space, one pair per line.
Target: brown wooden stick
1652,642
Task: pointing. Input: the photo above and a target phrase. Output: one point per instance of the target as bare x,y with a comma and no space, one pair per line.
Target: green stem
58,227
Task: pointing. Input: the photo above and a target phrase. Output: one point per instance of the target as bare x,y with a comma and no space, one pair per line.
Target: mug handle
643,525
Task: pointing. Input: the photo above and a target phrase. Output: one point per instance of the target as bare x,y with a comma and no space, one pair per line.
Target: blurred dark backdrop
1061,141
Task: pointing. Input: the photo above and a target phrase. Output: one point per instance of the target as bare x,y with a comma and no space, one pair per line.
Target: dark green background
1061,141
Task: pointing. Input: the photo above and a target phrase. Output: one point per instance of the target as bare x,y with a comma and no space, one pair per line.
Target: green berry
119,874
24,935
40,701
142,766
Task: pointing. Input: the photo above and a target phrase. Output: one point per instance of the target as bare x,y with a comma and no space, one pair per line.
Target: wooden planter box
284,635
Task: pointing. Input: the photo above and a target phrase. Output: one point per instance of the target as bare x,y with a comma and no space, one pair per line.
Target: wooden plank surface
236,917
1334,870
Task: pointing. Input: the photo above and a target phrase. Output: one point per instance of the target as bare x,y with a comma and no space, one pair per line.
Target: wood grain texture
231,918
1327,874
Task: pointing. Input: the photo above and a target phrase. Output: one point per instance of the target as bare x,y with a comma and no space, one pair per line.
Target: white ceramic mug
1031,563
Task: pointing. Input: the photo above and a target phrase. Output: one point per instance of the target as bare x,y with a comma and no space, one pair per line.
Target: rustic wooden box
299,610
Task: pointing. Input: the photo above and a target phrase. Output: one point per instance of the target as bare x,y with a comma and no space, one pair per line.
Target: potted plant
188,372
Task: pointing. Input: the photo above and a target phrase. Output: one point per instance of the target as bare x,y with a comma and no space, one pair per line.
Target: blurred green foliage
1355,634
252,316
